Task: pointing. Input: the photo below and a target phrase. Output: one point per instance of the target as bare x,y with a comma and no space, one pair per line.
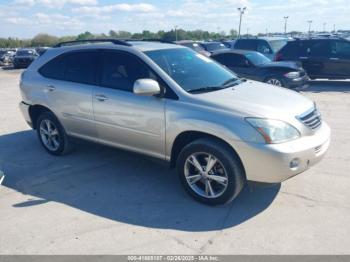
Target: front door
122,118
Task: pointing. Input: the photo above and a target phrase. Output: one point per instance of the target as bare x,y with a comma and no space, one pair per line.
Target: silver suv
169,102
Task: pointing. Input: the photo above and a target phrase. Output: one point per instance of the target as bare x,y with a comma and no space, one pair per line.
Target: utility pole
310,23
285,24
176,33
324,27
334,28
241,12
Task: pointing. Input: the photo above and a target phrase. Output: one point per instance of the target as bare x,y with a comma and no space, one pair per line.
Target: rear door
122,118
339,63
315,59
70,79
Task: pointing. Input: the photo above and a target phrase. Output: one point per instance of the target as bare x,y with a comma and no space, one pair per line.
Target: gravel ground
100,200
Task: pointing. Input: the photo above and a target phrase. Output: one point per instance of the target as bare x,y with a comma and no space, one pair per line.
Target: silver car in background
169,102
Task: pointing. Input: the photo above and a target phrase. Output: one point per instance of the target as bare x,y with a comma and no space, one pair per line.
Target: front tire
275,81
52,134
210,172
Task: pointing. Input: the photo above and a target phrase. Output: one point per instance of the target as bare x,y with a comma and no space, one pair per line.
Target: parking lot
99,200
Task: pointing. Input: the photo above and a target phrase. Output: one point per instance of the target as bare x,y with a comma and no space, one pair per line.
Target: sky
26,18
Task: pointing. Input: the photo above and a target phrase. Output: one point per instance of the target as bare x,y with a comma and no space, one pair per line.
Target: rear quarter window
79,67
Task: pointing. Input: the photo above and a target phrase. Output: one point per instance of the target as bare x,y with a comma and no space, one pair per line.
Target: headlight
292,75
274,131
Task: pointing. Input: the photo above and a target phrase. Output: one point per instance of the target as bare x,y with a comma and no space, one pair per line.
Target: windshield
191,70
215,46
257,58
26,52
277,45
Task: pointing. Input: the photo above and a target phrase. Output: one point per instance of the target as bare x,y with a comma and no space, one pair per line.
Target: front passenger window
121,70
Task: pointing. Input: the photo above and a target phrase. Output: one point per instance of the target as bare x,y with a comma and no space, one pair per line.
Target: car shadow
319,86
117,185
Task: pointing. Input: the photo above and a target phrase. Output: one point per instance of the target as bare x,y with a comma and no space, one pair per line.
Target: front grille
312,119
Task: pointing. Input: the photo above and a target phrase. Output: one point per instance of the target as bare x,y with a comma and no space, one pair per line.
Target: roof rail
150,40
107,40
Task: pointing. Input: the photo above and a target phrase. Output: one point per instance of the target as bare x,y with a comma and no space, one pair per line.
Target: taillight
278,57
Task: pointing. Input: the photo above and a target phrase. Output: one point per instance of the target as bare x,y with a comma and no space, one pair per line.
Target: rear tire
52,134
219,185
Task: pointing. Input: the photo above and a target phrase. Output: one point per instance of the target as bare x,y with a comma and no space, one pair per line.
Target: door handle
101,98
50,88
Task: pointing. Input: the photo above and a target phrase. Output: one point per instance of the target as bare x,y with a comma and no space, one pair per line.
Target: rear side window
79,67
319,49
246,45
295,49
341,49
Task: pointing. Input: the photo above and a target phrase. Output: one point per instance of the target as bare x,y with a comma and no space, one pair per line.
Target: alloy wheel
275,82
206,175
49,135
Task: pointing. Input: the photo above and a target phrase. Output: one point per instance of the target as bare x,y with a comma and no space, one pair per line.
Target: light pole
324,27
285,24
241,12
310,23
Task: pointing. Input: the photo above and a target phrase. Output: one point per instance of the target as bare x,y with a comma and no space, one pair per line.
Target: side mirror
146,87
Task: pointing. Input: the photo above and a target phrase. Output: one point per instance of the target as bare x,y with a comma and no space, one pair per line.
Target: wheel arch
187,137
35,111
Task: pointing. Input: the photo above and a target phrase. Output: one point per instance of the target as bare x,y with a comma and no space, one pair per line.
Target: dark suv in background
24,57
267,46
321,58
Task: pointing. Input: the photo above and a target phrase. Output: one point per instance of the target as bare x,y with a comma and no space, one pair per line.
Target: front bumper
297,83
25,112
276,163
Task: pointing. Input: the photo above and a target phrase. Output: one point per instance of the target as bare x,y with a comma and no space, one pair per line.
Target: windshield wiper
229,83
206,89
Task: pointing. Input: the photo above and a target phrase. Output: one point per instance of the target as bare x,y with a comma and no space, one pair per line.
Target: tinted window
190,70
25,52
296,49
121,70
80,67
340,49
246,44
53,69
214,46
231,60
77,67
319,49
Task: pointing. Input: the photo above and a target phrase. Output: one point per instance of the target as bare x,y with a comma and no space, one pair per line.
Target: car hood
289,65
257,99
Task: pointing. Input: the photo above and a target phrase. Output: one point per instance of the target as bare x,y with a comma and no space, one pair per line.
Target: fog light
294,164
